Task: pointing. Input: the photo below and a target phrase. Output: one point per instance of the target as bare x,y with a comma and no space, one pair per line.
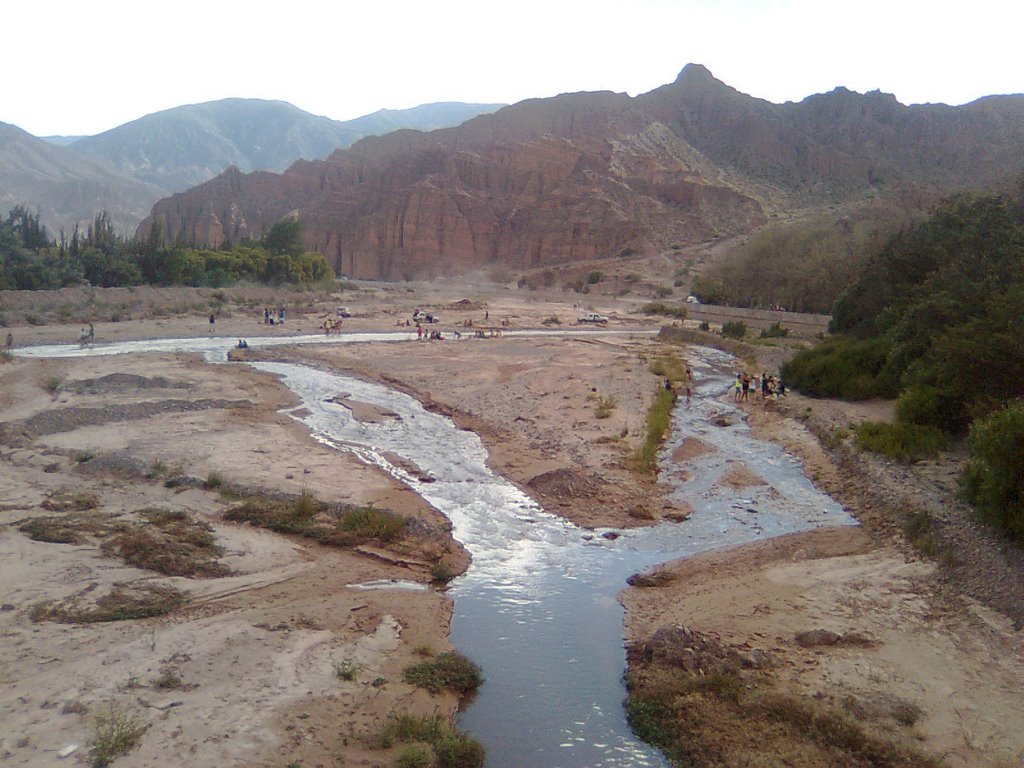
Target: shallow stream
537,609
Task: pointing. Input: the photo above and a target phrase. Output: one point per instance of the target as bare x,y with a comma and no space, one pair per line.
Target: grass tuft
448,671
605,406
346,669
115,733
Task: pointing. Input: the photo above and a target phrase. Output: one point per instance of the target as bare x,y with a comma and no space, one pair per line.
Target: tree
285,237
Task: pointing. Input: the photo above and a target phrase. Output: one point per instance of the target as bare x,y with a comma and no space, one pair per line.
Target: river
537,609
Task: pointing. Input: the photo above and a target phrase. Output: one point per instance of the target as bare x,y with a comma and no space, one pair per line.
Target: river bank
881,632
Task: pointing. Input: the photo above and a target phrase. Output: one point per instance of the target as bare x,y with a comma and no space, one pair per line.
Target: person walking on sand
738,387
10,341
213,320
688,384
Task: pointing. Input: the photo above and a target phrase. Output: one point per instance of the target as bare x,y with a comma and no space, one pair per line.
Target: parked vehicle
419,316
593,317
691,299
343,312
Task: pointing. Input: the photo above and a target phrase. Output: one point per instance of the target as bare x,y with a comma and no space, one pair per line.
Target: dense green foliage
900,441
801,266
840,367
29,260
734,329
935,320
994,480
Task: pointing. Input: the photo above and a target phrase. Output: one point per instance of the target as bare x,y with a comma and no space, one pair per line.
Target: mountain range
126,169
594,175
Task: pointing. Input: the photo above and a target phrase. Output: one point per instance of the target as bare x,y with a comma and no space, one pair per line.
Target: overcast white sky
76,67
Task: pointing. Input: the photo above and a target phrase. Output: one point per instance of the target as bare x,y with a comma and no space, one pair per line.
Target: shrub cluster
994,480
734,329
447,671
934,320
900,441
451,748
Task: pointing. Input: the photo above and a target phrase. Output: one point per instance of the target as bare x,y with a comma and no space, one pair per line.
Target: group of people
770,387
331,325
686,384
272,317
423,334
84,336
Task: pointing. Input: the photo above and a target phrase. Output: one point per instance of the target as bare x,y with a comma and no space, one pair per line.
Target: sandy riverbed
255,651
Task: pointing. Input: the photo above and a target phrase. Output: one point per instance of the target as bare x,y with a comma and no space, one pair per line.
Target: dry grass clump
72,528
116,732
344,526
70,499
169,678
717,713
124,601
168,542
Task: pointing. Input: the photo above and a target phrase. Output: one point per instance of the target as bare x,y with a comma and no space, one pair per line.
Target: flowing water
537,609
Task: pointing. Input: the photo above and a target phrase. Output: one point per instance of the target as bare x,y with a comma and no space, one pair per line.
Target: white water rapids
537,609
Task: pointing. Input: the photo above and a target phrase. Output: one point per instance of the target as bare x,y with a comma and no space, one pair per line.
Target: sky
73,67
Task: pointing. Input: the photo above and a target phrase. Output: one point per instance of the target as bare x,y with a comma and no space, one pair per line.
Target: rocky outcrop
594,175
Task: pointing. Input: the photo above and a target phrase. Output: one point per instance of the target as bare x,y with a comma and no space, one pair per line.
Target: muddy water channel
537,609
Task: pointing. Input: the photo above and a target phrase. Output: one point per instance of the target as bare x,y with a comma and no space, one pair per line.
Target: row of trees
935,321
31,260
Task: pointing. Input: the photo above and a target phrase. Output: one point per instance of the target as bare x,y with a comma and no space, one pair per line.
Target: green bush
994,479
115,733
451,748
415,757
448,671
660,308
842,367
457,750
900,441
734,329
774,331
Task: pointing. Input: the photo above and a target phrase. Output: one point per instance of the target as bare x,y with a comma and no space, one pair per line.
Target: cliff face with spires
590,175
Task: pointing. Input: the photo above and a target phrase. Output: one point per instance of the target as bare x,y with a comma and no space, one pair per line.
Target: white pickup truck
593,317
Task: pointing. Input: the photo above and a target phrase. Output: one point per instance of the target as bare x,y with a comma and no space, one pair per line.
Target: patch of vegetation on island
710,705
449,671
336,525
446,747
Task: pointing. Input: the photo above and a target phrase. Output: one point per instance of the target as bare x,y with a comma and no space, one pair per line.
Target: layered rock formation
591,175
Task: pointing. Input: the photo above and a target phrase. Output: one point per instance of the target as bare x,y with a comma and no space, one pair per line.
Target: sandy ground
255,650
915,642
